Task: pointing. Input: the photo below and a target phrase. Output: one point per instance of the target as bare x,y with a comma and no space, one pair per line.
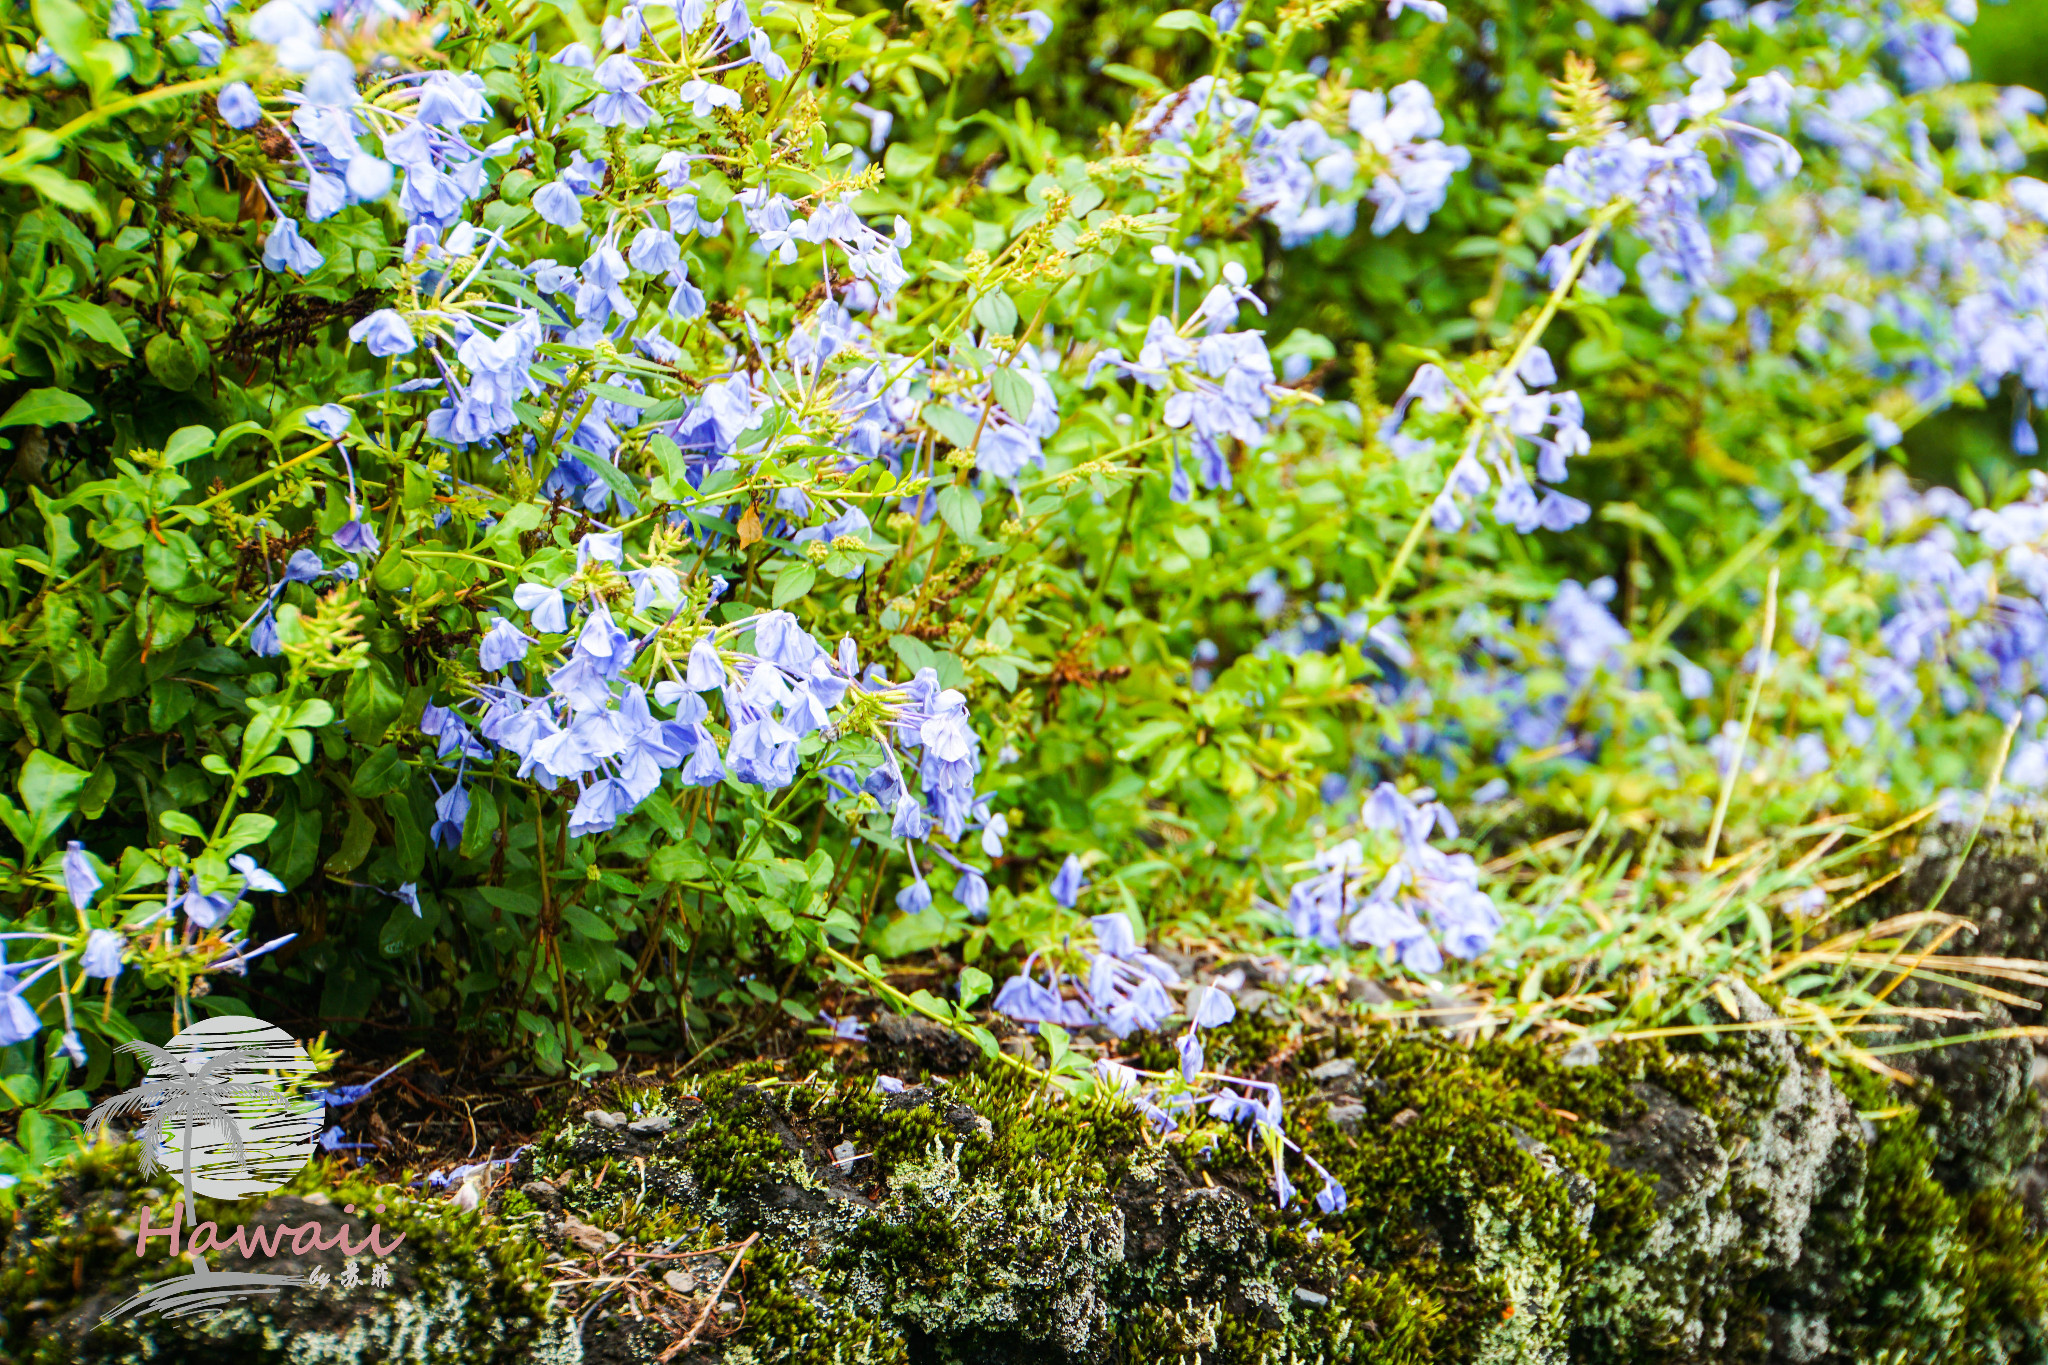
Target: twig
709,1304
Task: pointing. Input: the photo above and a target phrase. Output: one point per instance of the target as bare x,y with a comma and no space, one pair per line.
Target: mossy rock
459,1291
1723,1201
1714,1200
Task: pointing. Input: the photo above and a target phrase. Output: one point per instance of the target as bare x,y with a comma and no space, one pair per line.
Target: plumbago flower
1395,891
184,935
1506,412
1963,624
582,701
1124,990
1309,175
1219,384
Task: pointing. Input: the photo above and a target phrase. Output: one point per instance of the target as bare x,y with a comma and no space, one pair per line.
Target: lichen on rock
1717,1198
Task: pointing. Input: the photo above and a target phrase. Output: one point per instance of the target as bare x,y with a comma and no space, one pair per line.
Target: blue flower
1068,883
503,645
909,820
238,106
356,538
705,768
19,1021
972,892
1214,1009
846,1027
916,898
655,252
1332,1198
104,949
384,333
254,878
206,911
329,419
705,670
44,61
556,203
780,639
762,49
620,104
545,606
207,48
284,249
303,567
79,878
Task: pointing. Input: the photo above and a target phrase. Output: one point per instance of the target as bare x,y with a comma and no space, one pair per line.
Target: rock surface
1722,1203
1716,1199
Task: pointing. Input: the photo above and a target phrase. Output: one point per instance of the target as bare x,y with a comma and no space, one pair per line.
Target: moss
1702,1202
462,1290
1915,1268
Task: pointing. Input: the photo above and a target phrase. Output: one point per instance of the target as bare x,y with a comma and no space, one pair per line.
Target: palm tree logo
211,1095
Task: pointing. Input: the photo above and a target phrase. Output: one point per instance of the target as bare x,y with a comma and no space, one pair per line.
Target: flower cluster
1219,384
593,723
1402,895
1305,175
1510,409
1124,991
202,896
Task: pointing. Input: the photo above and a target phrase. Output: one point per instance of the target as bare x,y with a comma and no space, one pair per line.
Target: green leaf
961,510
355,843
190,443
952,424
1013,393
1174,21
481,824
793,582
974,984
167,564
1055,1043
179,823
678,863
248,828
383,771
1131,75
994,311
619,395
614,480
904,162
46,408
563,87
371,702
714,194
587,924
68,29
93,321
58,188
57,525
517,521
170,363
49,793
662,811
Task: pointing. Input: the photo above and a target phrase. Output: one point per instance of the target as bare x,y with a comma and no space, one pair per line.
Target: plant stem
1756,692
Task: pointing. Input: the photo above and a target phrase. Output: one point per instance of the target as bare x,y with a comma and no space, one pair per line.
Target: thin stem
1756,692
